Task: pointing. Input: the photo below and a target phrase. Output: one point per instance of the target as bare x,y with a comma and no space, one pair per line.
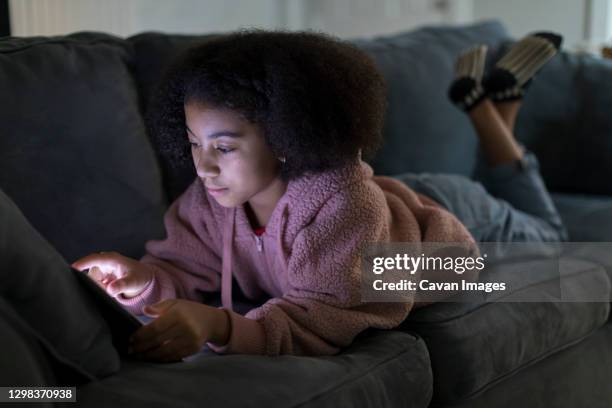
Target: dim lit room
306,203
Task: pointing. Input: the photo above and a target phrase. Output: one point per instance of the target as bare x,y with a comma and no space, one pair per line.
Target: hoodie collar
311,190
238,215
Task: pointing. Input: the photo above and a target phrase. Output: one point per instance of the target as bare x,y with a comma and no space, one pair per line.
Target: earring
282,159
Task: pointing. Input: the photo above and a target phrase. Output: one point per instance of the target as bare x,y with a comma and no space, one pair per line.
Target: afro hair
320,101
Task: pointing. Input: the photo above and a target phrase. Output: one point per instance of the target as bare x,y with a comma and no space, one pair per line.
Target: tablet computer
121,322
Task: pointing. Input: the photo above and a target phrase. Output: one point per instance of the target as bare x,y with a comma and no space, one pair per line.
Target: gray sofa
80,174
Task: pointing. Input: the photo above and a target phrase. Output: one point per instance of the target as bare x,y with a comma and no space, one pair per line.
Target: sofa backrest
566,120
153,53
74,155
424,132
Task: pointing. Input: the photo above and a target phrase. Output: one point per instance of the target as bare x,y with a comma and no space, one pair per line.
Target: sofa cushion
565,122
423,130
22,352
153,53
578,376
31,359
474,344
380,369
38,285
73,150
587,217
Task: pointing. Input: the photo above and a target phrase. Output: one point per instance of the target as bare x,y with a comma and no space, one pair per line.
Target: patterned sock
466,90
513,73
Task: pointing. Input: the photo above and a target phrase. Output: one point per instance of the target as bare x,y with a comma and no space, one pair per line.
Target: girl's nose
205,166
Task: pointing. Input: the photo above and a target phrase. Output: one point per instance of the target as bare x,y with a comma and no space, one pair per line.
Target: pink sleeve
247,336
186,263
322,312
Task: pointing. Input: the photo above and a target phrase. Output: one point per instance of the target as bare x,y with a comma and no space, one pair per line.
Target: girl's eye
221,149
224,150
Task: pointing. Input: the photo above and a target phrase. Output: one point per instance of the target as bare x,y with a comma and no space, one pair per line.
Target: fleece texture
307,262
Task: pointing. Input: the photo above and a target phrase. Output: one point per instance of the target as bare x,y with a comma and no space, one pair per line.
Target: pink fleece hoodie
307,260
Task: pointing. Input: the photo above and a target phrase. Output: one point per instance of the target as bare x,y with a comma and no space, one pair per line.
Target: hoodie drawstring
228,244
226,269
279,239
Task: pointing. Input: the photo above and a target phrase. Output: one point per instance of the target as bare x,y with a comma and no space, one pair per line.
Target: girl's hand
116,273
181,329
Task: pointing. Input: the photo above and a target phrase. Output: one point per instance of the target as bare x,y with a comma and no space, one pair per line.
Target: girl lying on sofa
276,124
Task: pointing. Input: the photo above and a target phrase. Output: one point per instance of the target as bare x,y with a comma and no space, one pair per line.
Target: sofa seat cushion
22,352
381,368
588,218
74,154
473,345
42,299
578,376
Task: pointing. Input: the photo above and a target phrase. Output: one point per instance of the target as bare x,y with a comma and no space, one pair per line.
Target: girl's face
230,155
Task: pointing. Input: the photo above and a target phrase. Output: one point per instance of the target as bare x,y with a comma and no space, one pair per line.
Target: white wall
197,16
524,16
127,17
54,17
599,28
609,22
345,18
365,18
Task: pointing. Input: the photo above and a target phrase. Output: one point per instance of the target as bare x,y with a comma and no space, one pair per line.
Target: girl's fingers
150,331
107,261
119,285
98,274
174,350
94,272
90,261
155,341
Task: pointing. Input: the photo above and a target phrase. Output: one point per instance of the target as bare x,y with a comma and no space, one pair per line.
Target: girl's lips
216,192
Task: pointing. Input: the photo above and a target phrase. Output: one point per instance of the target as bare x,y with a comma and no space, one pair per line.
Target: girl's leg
524,210
513,175
496,139
489,219
508,110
